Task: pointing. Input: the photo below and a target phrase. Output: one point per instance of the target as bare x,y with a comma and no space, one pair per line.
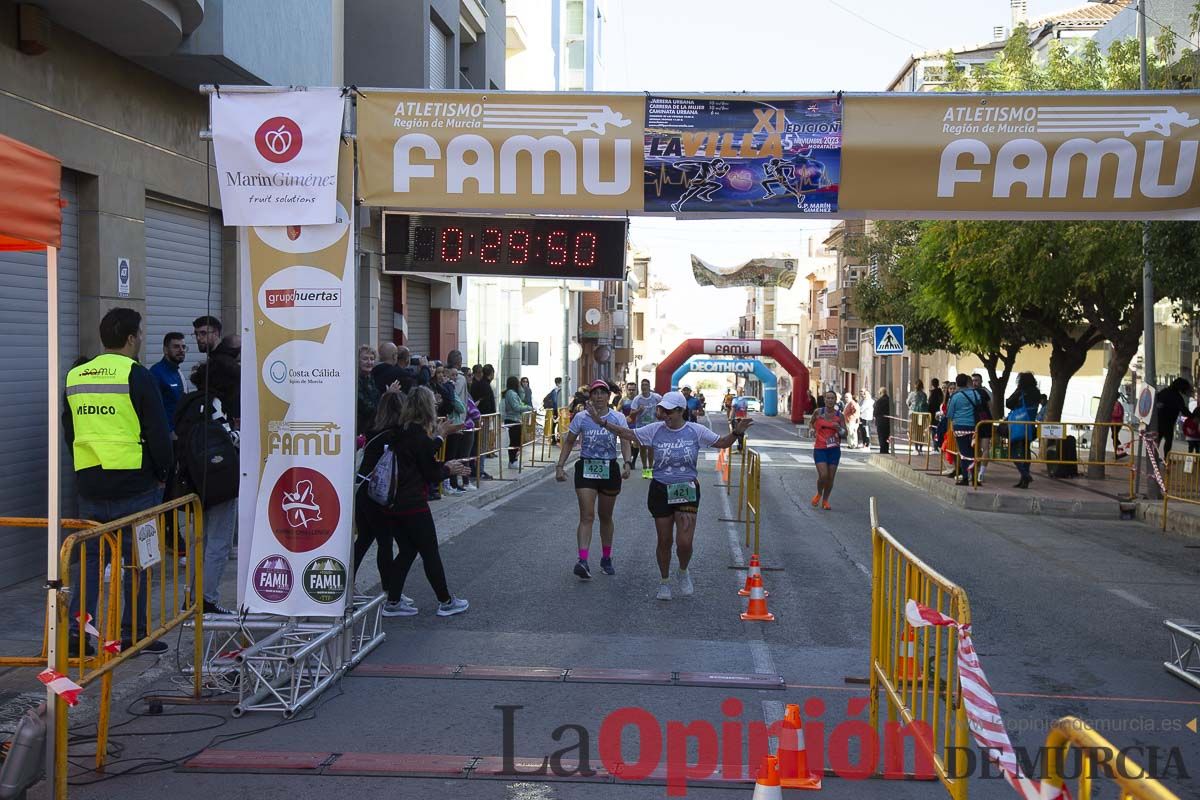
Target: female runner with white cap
674,495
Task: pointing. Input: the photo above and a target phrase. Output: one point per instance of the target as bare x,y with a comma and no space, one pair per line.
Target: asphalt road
1067,620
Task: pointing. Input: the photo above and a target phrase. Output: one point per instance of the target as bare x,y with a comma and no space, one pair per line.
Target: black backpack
207,453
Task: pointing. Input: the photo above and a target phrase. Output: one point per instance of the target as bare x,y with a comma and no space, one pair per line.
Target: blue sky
769,46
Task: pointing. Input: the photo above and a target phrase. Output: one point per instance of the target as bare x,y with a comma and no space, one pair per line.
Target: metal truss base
283,663
1185,651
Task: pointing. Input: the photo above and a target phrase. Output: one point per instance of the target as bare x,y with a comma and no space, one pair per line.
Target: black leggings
514,440
367,533
415,534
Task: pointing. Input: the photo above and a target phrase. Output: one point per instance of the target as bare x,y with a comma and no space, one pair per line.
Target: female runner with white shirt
598,475
674,495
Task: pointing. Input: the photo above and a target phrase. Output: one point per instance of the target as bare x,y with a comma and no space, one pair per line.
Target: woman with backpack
1023,407
392,502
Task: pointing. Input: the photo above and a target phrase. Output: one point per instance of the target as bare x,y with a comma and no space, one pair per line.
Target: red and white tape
111,646
61,685
983,713
1151,443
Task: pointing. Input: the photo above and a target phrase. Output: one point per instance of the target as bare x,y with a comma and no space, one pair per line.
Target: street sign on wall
889,340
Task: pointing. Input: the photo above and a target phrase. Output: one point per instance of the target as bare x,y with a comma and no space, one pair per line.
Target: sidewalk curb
498,491
1180,524
974,500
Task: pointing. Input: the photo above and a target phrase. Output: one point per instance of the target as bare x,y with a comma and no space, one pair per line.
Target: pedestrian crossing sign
889,340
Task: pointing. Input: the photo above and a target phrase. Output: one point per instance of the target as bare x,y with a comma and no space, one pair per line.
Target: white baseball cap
672,400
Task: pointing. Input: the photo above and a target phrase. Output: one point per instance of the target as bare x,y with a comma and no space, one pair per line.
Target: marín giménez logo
279,140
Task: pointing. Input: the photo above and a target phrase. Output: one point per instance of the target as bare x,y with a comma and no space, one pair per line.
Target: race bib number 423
596,469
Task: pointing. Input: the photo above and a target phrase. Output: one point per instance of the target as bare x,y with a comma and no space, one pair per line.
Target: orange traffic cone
757,610
755,568
767,786
793,763
908,668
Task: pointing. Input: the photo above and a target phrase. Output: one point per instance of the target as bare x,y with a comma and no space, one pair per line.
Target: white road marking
1133,599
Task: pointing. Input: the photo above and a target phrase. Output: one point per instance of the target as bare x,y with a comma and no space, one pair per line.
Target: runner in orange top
829,427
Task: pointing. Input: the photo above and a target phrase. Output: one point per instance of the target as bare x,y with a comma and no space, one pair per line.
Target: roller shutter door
439,57
180,284
418,317
23,392
387,309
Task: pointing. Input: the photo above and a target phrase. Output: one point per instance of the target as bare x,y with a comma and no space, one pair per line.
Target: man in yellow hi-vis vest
115,424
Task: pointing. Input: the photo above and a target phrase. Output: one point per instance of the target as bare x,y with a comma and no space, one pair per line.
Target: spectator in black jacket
225,360
114,422
882,411
1169,405
482,392
1028,398
407,432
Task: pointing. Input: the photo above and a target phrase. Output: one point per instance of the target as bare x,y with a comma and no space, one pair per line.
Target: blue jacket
961,408
169,380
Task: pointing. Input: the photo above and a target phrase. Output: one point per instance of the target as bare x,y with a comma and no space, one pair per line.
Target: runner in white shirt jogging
598,474
674,495
642,408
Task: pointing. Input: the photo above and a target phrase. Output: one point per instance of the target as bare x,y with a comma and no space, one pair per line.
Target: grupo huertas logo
304,238
292,370
302,298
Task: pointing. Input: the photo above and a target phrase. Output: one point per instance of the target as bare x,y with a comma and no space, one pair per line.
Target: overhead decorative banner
500,150
778,156
755,272
1075,155
277,155
296,502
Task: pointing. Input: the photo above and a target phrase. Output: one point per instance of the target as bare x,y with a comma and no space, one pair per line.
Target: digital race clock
532,247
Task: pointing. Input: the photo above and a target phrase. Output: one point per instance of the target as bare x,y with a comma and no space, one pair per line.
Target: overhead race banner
712,154
500,150
755,272
1069,155
733,347
1021,156
277,155
296,502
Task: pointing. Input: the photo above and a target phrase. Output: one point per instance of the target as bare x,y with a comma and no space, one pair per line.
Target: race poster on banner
500,150
768,156
277,155
1081,155
298,384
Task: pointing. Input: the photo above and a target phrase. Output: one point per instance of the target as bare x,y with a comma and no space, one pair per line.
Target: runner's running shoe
606,566
457,605
664,591
399,609
816,501
685,584
582,570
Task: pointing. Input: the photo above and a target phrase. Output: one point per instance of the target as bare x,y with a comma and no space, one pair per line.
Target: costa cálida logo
303,509
279,140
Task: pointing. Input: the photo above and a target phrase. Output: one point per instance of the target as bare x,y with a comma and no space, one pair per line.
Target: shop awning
30,209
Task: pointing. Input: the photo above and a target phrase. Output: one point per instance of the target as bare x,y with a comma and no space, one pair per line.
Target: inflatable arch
740,348
739,366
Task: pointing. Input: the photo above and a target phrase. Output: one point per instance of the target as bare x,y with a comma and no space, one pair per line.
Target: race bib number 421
680,493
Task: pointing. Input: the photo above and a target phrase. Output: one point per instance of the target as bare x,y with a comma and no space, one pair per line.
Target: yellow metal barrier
1182,476
83,559
529,428
753,505
40,522
1132,780
1044,439
928,696
920,434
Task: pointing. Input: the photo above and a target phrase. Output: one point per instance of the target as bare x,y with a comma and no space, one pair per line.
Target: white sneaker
406,600
457,605
470,487
685,584
399,609
512,465
664,592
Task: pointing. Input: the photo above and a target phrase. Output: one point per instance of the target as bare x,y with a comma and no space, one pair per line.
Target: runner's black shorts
656,501
610,487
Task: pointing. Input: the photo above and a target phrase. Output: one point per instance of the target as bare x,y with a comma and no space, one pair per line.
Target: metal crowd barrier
898,651
1045,442
1097,757
84,558
920,434
1182,478
490,433
529,430
753,503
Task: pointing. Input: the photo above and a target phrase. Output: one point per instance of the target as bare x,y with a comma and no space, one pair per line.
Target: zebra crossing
794,460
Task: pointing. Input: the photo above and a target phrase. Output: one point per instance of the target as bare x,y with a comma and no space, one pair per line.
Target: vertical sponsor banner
298,383
1081,155
500,150
774,155
277,155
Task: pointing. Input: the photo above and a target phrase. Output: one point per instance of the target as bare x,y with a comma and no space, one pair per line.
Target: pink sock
607,552
583,551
